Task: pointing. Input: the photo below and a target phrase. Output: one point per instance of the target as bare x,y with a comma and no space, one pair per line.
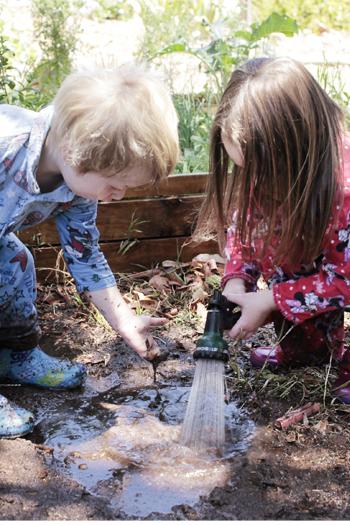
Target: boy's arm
132,328
79,237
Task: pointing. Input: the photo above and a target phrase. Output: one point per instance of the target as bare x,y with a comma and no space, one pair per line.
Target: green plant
218,59
7,83
331,78
56,28
15,87
131,240
189,21
113,10
308,13
195,117
221,55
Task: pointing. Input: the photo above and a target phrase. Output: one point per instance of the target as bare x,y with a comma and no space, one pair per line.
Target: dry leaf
160,283
168,263
198,293
95,358
104,383
146,273
171,313
203,258
201,311
321,426
144,300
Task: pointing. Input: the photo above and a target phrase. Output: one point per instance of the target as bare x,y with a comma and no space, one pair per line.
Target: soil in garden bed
109,450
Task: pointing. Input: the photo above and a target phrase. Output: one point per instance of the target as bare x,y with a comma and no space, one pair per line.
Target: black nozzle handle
229,312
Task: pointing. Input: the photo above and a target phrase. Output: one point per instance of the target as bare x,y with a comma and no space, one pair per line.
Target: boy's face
106,187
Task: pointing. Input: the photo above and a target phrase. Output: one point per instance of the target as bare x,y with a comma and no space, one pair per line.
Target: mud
109,450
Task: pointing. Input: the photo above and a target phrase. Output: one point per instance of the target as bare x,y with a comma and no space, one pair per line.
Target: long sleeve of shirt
235,266
79,237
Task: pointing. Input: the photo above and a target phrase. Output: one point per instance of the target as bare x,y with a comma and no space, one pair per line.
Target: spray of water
204,423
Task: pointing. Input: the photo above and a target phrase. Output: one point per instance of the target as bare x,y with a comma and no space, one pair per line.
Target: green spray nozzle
222,315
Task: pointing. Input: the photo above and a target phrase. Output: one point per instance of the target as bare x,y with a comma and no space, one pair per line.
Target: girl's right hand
256,308
234,286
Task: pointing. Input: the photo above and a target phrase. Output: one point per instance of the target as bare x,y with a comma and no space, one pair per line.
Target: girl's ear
233,149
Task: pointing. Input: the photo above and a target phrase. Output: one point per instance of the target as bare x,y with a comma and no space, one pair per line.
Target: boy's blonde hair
110,120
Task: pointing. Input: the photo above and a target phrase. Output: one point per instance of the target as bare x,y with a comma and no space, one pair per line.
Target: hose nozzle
222,315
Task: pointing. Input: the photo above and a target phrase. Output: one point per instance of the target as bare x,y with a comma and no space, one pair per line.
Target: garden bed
138,231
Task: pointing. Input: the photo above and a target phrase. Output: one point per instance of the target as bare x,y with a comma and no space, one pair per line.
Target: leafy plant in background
56,29
167,21
195,117
221,55
7,83
113,9
308,13
14,85
331,79
218,59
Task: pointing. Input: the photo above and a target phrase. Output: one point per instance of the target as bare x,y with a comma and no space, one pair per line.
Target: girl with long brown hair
285,206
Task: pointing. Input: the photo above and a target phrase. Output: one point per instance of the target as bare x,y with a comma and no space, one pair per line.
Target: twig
297,415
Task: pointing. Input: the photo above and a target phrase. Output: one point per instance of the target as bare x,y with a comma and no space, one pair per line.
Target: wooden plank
145,254
137,218
181,184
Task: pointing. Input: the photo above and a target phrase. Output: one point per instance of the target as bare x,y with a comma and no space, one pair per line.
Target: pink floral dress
311,299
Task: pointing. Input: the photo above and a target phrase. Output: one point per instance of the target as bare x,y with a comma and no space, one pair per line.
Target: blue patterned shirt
22,204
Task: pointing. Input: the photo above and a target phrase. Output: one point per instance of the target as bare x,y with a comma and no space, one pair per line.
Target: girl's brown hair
289,131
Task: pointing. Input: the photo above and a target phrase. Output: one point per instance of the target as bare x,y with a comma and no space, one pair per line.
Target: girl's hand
234,286
255,307
134,332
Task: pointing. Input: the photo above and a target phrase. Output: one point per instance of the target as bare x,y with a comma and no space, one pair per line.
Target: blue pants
18,315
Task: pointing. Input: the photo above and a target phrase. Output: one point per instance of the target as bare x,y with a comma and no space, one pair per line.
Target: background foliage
213,36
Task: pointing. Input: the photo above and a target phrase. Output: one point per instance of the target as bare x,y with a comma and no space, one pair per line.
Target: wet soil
109,450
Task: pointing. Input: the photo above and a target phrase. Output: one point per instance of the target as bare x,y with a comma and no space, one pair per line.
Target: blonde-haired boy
106,131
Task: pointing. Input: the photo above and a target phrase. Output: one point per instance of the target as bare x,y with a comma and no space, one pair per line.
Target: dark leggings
313,341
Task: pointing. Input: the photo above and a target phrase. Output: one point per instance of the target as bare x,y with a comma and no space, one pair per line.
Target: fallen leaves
160,283
173,282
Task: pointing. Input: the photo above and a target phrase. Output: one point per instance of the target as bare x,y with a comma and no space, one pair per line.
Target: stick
297,415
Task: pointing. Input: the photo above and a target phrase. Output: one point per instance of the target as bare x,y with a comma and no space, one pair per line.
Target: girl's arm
132,328
234,286
237,269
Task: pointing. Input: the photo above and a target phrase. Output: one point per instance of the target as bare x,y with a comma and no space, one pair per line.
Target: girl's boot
14,421
341,386
34,367
271,356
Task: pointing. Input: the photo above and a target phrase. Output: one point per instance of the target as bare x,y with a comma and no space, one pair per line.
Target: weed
131,240
56,28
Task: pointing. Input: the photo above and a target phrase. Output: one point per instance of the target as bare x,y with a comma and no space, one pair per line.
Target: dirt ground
301,473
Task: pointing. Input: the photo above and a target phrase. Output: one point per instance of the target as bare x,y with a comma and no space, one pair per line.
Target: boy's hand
134,332
256,308
132,328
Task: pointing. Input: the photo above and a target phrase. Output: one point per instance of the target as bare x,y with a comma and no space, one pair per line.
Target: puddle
122,445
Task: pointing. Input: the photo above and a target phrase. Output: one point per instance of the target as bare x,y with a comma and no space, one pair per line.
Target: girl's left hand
256,308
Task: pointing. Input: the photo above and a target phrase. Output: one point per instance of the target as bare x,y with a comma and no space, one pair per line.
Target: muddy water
123,446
